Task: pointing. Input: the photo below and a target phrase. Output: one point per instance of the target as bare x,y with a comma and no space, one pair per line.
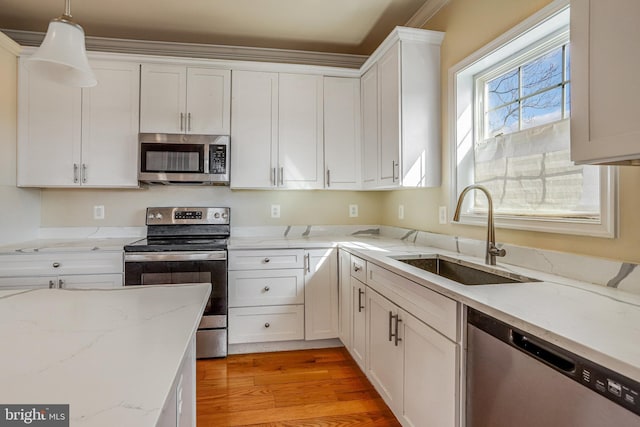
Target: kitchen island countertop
112,355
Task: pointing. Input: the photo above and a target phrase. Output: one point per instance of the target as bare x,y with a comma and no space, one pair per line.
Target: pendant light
62,56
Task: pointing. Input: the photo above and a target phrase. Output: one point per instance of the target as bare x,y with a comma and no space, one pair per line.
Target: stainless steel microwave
184,159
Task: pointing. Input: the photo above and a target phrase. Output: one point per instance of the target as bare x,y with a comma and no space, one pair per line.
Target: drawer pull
356,267
266,325
267,289
266,260
56,264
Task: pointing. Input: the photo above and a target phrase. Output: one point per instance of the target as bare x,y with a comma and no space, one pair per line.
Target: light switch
98,212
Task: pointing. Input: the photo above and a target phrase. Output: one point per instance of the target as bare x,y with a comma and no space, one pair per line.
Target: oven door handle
175,256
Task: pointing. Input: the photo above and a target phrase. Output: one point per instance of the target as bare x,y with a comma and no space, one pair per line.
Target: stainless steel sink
463,272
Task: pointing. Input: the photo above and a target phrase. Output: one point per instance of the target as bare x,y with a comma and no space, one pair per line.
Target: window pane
567,73
546,107
503,120
502,90
542,73
567,101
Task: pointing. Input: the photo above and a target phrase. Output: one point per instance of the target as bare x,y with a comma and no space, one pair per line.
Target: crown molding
8,44
402,34
204,51
425,13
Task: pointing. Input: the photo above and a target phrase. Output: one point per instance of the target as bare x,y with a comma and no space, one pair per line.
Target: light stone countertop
599,323
67,245
111,354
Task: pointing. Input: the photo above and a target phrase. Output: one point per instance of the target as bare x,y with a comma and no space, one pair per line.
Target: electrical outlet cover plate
98,212
353,211
400,211
275,211
442,215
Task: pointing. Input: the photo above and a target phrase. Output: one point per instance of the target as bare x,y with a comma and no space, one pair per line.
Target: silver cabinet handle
267,289
60,283
273,177
52,284
396,334
75,173
307,263
181,122
390,323
188,122
281,175
266,325
328,178
395,167
360,306
84,173
56,264
266,260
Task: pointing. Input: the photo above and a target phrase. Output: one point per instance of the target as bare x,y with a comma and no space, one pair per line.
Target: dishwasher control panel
617,388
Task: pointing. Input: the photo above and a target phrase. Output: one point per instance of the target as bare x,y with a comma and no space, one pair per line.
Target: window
512,134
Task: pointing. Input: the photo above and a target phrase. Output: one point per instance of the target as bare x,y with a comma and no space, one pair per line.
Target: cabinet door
38,282
110,118
208,101
358,347
370,129
344,298
389,86
430,376
384,354
254,129
90,281
49,131
321,294
163,98
342,133
300,131
604,67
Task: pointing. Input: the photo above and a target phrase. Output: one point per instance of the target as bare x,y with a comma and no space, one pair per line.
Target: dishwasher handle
541,353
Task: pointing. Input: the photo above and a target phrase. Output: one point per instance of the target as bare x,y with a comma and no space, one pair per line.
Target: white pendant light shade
62,56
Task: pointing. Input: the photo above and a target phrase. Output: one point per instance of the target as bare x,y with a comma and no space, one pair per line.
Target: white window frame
546,24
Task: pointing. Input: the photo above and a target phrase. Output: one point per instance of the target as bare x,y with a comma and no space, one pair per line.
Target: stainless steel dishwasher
518,380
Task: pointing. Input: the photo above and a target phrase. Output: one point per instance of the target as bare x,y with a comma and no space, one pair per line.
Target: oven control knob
158,215
216,215
225,215
151,216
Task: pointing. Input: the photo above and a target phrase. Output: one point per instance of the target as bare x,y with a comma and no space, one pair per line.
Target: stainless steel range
186,245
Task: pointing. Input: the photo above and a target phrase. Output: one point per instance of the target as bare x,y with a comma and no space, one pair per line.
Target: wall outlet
98,212
442,215
275,211
400,211
353,211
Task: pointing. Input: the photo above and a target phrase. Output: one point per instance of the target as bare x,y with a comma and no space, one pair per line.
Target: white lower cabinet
179,409
344,298
405,337
81,270
321,294
358,348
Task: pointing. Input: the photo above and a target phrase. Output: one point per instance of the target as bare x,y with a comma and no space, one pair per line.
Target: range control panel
187,216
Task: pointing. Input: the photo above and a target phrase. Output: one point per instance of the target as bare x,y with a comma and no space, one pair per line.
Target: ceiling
337,26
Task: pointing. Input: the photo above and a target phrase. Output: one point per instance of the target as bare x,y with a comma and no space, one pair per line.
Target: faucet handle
493,250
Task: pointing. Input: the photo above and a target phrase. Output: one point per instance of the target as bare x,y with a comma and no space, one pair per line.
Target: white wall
19,208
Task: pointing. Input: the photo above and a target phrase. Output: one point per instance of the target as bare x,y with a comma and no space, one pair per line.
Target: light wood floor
311,388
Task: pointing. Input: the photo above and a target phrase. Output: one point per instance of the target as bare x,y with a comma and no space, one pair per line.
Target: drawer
262,324
61,264
266,287
432,308
358,268
266,259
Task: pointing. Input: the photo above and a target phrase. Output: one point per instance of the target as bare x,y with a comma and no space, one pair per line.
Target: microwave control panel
218,159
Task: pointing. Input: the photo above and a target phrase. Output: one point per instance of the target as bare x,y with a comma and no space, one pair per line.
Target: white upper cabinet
276,130
342,133
254,129
179,99
71,137
604,96
370,132
404,124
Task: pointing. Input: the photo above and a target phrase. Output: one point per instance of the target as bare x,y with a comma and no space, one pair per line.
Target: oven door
164,268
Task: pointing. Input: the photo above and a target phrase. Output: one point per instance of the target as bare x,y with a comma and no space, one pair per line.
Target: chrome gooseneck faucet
492,249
